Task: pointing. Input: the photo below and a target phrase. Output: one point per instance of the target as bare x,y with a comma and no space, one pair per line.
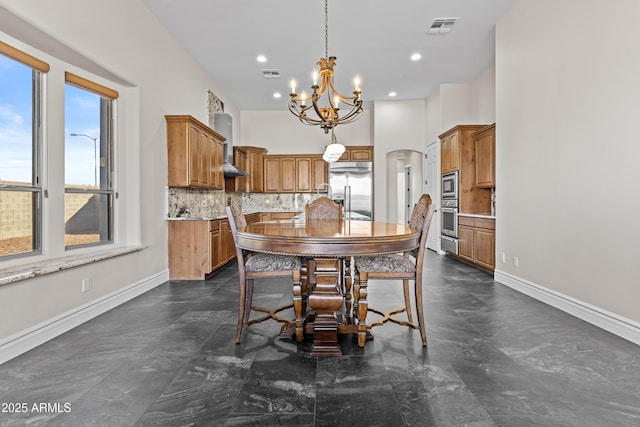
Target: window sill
28,271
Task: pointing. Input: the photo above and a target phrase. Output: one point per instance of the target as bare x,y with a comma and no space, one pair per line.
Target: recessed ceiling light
392,94
277,95
261,58
416,57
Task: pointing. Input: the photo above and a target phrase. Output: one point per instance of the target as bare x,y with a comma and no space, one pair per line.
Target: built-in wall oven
449,213
449,232
450,185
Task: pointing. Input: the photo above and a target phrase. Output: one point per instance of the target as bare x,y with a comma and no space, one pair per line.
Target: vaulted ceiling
370,38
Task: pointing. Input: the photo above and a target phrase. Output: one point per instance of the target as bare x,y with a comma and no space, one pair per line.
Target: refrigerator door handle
347,198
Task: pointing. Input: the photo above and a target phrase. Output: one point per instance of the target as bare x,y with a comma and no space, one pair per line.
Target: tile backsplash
269,202
204,203
196,202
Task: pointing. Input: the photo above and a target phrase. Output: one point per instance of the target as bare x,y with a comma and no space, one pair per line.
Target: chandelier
327,116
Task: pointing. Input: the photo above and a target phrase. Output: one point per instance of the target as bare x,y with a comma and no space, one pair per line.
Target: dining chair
323,208
258,265
401,266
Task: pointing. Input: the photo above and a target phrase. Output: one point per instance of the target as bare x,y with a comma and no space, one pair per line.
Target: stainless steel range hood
224,126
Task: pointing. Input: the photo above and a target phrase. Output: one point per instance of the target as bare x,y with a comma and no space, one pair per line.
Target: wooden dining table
324,242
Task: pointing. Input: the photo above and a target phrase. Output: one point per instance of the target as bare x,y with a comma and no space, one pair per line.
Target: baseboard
618,325
30,338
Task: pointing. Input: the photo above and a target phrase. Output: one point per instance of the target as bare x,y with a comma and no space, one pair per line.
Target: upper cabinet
194,154
357,153
450,151
485,140
294,173
458,153
251,160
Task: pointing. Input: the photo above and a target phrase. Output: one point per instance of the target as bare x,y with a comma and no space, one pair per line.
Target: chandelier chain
331,114
326,29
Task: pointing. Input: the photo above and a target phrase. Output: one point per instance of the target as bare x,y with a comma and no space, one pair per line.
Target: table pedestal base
326,299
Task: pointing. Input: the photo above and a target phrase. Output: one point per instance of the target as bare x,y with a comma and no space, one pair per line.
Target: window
88,171
20,152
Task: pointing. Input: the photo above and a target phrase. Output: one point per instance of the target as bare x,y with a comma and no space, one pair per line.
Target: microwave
450,185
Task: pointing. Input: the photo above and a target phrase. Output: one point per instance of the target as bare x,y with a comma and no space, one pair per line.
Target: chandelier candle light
328,116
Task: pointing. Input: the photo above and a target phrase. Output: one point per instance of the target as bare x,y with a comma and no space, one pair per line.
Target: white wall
483,97
281,132
157,77
567,150
398,125
433,117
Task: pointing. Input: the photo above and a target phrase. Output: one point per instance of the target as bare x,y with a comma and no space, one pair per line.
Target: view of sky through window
81,116
15,121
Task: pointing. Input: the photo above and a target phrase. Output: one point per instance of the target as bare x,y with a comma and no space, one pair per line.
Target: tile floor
495,358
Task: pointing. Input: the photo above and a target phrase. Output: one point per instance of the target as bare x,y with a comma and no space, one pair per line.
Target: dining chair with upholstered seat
254,265
403,266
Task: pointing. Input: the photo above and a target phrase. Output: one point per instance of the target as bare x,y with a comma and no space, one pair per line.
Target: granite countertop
214,216
477,215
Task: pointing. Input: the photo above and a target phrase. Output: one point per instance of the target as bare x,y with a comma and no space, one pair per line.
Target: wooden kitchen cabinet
357,153
476,241
485,141
214,250
319,173
465,241
251,160
303,175
194,154
252,217
273,216
192,252
197,248
288,175
227,245
272,176
450,152
458,152
294,173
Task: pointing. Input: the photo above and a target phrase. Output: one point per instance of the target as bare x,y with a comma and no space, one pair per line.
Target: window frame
108,98
38,70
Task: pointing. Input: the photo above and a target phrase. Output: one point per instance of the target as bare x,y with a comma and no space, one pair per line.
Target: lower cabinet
476,241
198,248
272,216
227,245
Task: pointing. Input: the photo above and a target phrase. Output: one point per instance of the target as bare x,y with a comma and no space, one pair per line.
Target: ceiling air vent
271,74
442,25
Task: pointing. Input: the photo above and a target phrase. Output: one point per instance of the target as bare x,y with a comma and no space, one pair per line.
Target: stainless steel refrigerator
352,185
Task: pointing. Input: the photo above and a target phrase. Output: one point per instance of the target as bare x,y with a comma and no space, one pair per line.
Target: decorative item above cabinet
194,154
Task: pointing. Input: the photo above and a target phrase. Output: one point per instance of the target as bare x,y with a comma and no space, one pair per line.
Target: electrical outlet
516,261
503,257
85,285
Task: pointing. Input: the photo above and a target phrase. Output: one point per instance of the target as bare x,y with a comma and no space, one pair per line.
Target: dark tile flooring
495,358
